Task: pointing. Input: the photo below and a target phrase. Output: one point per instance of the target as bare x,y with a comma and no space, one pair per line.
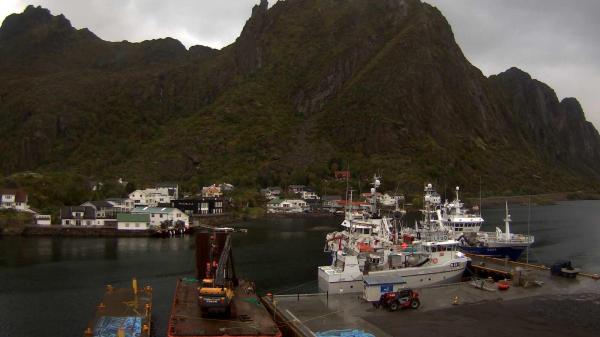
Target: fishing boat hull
513,252
334,280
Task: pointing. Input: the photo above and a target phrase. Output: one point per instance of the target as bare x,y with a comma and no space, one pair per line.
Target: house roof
163,210
390,278
133,217
275,201
167,185
353,203
99,204
20,195
88,212
116,199
331,197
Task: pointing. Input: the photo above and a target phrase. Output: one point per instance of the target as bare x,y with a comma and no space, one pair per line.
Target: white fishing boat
370,246
453,220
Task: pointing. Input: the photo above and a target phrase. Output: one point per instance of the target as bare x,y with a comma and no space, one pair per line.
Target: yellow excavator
216,293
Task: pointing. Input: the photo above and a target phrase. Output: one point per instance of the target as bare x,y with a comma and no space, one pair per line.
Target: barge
242,312
123,312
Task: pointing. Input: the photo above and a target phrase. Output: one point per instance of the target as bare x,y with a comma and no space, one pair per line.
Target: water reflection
45,279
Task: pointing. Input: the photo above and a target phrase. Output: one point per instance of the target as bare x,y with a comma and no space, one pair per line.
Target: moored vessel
371,246
215,302
123,312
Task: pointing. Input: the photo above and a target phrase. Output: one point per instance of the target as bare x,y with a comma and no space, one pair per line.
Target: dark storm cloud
556,41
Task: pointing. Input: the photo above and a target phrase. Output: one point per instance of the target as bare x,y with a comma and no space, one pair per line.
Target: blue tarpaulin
344,333
108,326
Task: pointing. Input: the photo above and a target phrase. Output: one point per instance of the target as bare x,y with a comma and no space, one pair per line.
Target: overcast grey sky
556,41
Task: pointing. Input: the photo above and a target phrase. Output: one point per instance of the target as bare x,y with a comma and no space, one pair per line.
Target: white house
78,216
308,194
121,205
287,206
152,197
42,219
271,192
390,200
105,212
139,221
14,199
159,215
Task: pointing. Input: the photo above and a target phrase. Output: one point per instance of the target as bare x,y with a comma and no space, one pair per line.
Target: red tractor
394,300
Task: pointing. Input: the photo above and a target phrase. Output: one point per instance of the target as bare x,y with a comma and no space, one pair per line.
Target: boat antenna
528,222
480,204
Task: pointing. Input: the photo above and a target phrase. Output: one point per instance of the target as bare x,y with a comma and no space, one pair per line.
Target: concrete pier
531,288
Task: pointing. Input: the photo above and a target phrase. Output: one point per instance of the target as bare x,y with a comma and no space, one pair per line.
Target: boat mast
528,221
480,205
507,223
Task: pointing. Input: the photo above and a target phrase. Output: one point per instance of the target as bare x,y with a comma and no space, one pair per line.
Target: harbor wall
56,230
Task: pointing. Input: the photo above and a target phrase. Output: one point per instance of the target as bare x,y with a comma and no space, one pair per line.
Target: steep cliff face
307,85
556,129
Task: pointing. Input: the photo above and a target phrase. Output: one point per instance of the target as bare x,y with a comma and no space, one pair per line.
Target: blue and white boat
460,225
497,244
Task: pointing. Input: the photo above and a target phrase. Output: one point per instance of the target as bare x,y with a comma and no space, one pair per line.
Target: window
137,225
161,216
67,222
127,225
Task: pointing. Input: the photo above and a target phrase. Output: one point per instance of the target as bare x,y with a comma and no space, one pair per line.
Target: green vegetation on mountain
308,87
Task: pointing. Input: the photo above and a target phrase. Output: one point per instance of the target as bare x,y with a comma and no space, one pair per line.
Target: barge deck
248,316
125,309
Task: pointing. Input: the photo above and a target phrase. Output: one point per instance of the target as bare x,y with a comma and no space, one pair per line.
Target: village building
342,175
308,194
225,187
121,205
103,209
212,191
271,192
131,221
14,199
154,197
42,219
200,205
329,203
160,215
170,189
78,216
284,206
295,189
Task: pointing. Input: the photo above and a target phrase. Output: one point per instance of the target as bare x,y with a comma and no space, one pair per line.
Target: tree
129,187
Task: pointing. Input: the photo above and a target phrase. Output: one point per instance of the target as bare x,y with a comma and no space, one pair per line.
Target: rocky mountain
307,87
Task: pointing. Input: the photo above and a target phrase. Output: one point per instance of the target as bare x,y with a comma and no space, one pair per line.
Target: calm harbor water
50,286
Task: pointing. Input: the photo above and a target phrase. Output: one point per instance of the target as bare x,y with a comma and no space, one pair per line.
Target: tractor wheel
394,306
415,304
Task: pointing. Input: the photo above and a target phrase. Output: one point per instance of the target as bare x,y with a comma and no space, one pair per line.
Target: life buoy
434,260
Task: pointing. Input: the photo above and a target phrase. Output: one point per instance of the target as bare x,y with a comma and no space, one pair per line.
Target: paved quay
547,306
